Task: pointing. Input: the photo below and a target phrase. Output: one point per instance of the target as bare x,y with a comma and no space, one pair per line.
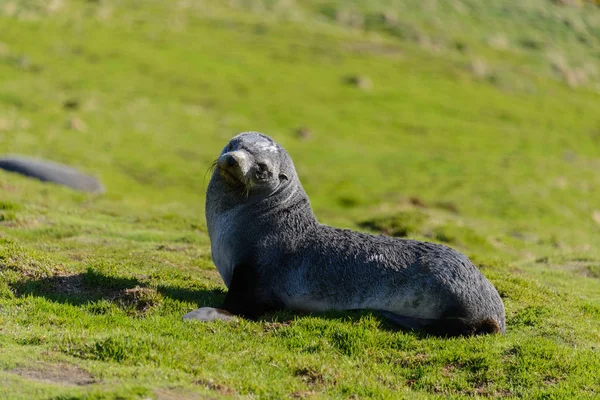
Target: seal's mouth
234,168
229,176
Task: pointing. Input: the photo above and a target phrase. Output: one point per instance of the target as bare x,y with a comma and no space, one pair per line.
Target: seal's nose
231,160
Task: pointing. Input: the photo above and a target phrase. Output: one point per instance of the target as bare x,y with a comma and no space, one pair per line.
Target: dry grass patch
59,374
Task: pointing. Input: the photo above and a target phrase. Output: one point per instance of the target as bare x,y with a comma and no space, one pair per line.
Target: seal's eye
229,147
262,167
262,171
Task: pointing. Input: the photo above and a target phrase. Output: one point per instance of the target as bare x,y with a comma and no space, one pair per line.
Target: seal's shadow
91,286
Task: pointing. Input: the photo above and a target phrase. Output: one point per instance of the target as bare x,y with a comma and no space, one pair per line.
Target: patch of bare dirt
171,248
7,187
173,394
304,394
484,390
275,326
59,374
372,48
20,221
141,299
581,268
448,370
215,386
596,216
310,376
67,282
412,360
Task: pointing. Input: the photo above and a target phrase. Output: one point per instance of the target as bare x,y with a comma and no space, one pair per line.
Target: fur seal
273,254
48,171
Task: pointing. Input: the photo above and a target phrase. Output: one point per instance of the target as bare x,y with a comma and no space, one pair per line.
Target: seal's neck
288,202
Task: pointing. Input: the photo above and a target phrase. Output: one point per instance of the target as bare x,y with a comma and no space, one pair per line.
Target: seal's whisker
212,167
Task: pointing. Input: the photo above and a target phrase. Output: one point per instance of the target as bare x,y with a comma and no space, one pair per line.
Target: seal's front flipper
246,297
209,314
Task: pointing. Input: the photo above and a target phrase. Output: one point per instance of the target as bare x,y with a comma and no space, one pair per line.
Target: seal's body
273,254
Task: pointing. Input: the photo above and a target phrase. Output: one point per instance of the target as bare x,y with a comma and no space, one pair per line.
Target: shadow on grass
92,285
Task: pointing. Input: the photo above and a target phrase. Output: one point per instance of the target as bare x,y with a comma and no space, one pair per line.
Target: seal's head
253,163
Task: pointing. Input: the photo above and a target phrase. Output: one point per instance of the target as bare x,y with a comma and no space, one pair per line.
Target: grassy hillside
461,122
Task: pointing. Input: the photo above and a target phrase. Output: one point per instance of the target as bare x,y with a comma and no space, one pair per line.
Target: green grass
478,128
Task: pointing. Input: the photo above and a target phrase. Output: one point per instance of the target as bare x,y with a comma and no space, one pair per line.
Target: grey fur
291,261
49,171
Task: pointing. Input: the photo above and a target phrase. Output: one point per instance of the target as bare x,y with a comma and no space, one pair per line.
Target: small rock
208,314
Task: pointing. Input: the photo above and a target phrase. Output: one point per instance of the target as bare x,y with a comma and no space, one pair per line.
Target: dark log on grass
49,171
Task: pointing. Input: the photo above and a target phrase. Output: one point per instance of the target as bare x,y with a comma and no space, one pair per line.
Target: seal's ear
283,177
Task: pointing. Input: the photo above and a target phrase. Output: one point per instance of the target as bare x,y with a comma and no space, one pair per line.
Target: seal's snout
231,160
233,164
